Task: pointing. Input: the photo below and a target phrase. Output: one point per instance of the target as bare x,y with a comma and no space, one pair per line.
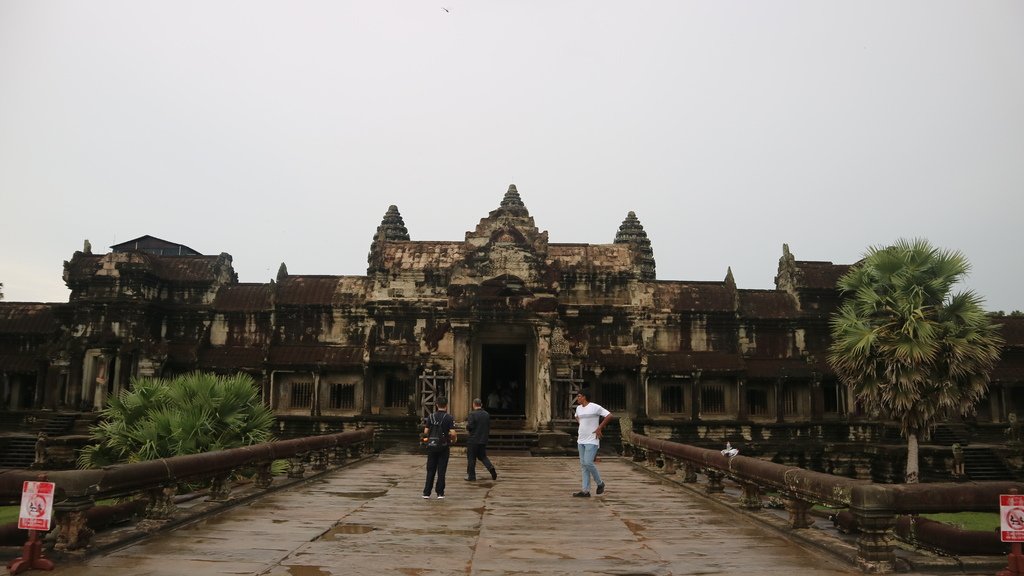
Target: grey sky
281,131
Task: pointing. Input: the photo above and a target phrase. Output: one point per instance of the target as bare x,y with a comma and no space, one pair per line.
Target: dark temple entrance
503,379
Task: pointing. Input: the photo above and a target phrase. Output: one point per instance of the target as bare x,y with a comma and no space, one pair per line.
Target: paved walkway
370,519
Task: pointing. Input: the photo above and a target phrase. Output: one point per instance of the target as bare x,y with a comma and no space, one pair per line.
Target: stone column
741,398
458,403
872,509
539,398
817,398
695,396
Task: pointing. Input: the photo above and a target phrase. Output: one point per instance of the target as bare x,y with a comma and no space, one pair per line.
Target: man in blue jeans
592,418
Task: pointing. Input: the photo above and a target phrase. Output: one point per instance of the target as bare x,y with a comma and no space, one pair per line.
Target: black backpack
437,437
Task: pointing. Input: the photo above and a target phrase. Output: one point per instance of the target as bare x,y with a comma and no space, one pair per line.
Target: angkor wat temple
503,315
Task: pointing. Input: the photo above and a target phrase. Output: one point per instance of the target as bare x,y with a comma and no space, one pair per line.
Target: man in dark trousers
478,425
439,434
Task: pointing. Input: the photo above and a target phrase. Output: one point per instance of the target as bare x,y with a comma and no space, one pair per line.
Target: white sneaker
426,497
441,497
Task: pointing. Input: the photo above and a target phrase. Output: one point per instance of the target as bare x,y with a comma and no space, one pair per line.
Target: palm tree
906,345
191,413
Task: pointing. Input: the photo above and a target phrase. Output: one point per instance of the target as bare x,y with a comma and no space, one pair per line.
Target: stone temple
502,314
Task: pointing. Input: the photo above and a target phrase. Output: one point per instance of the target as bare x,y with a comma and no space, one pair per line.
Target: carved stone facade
502,314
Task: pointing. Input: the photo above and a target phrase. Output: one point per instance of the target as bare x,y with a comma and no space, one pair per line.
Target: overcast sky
282,131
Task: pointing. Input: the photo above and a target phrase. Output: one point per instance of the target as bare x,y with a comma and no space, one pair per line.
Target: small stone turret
632,232
512,198
391,228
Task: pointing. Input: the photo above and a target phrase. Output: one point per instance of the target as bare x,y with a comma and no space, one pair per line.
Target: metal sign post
36,512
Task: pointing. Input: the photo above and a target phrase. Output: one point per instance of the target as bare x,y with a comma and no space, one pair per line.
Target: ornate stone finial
512,198
392,227
282,272
728,277
632,232
87,247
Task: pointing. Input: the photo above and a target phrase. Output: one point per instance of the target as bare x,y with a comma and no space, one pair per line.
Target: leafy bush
187,414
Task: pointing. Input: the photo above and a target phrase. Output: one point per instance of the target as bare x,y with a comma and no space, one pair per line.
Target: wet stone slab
371,519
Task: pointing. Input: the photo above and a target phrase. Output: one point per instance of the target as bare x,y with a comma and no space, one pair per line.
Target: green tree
188,414
907,346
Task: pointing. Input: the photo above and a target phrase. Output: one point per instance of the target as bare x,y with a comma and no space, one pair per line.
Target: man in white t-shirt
592,418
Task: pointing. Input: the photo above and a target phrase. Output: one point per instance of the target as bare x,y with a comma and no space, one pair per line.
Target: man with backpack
439,433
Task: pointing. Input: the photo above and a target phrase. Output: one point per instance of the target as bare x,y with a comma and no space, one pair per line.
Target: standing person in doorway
439,434
592,418
478,425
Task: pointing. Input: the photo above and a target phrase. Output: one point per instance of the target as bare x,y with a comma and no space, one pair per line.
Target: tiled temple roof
694,296
307,290
1012,330
767,304
27,318
820,275
244,298
183,269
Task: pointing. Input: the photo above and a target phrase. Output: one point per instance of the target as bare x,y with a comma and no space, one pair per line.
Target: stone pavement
370,519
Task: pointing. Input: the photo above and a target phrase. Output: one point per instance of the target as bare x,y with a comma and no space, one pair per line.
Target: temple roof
767,304
694,296
820,275
244,297
27,318
181,269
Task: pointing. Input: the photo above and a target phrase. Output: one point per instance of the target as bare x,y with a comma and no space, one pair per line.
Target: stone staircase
18,445
508,432
985,464
949,434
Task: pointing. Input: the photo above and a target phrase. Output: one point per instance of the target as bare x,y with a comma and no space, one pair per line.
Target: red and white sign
36,506
1011,517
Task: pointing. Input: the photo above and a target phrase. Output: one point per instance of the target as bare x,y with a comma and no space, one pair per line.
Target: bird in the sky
446,10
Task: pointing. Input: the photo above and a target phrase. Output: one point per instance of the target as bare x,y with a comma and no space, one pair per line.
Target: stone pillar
798,513
817,398
741,398
695,396
872,510
72,530
750,499
689,472
780,386
462,374
539,401
714,481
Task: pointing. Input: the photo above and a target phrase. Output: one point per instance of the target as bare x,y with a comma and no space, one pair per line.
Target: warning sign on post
1011,517
36,506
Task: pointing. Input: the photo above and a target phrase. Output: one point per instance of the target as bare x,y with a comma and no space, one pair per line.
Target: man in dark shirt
439,430
479,427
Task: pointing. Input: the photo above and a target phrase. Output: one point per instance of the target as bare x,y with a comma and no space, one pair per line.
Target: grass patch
9,514
982,521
